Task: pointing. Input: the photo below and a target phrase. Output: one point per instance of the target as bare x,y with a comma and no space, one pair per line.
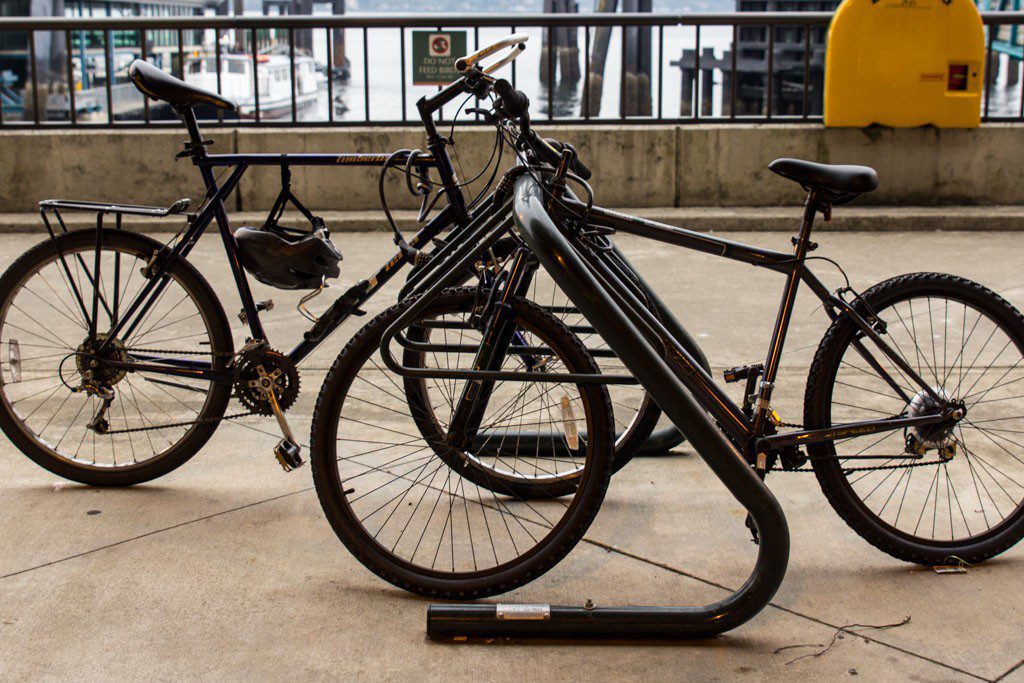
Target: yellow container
905,63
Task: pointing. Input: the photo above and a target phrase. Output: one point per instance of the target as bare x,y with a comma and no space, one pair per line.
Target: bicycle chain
865,468
185,423
181,353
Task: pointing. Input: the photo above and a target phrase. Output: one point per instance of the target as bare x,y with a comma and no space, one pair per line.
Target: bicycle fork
499,332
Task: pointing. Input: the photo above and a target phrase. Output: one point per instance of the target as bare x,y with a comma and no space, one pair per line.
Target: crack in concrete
154,532
1010,670
787,610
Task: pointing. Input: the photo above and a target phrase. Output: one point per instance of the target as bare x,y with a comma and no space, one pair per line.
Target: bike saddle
160,85
833,178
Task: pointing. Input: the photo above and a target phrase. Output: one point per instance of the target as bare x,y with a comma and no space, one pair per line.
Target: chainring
261,368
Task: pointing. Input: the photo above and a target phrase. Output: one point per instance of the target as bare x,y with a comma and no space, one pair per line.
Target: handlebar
513,105
514,102
516,105
516,41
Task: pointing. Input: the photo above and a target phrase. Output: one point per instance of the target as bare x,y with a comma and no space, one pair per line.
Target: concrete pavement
227,569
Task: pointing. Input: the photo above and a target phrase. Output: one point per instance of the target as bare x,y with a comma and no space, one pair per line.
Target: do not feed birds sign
434,54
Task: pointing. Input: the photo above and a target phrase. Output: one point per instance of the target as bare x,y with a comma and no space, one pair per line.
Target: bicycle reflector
14,360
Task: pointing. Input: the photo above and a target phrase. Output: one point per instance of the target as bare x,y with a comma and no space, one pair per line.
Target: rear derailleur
99,423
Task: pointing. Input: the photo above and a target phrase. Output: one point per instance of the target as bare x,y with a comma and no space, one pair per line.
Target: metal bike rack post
662,440
621,332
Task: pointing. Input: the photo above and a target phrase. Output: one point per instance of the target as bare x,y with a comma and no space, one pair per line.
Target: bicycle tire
846,493
369,548
213,317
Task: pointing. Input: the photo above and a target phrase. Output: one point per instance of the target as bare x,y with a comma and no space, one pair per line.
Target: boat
274,71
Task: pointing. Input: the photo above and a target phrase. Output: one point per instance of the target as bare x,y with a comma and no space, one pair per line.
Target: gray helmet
287,261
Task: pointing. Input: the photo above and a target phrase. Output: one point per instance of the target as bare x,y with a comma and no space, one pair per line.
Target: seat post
196,146
803,242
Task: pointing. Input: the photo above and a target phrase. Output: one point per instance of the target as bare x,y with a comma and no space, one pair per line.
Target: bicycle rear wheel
942,492
153,422
444,521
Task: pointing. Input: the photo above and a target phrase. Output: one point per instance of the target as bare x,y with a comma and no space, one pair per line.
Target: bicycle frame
757,433
455,217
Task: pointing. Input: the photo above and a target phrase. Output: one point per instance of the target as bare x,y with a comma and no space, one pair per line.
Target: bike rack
425,283
632,333
661,440
479,241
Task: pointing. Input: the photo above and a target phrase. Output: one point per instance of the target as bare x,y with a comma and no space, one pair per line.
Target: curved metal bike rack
635,339
425,282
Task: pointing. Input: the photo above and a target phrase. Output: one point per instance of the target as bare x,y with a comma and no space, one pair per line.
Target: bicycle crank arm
287,451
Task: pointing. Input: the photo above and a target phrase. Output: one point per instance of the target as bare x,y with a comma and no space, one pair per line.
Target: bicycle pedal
288,454
742,372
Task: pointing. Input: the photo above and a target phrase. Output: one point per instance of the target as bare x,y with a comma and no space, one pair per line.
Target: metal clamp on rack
627,329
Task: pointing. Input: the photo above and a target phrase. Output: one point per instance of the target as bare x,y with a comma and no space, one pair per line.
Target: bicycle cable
424,188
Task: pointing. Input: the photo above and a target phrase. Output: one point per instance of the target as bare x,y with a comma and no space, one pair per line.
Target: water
385,74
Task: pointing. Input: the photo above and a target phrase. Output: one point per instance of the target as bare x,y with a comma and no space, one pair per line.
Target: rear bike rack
55,206
621,328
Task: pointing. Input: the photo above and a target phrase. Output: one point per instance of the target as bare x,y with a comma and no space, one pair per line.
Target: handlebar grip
515,41
514,102
581,169
577,166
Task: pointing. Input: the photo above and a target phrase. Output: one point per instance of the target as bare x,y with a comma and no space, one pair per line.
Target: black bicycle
912,409
120,363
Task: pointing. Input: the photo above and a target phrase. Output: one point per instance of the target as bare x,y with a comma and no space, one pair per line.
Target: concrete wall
634,166
916,166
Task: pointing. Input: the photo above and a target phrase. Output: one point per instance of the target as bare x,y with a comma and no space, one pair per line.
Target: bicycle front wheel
938,493
635,413
444,521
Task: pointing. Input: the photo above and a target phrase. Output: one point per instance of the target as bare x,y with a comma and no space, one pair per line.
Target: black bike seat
834,178
160,85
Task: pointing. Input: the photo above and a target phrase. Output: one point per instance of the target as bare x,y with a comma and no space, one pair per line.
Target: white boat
275,92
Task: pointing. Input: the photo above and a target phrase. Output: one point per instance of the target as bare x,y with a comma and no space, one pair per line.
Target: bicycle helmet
287,261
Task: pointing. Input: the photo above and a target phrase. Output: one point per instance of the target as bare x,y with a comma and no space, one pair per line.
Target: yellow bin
905,63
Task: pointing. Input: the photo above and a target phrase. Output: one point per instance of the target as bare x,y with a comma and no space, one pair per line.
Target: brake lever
488,115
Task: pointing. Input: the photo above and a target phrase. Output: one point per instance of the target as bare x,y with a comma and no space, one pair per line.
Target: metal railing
734,67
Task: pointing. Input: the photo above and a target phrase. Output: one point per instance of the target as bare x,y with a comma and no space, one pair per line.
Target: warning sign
434,54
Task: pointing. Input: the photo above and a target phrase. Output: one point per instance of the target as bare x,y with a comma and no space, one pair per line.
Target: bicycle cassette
261,369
